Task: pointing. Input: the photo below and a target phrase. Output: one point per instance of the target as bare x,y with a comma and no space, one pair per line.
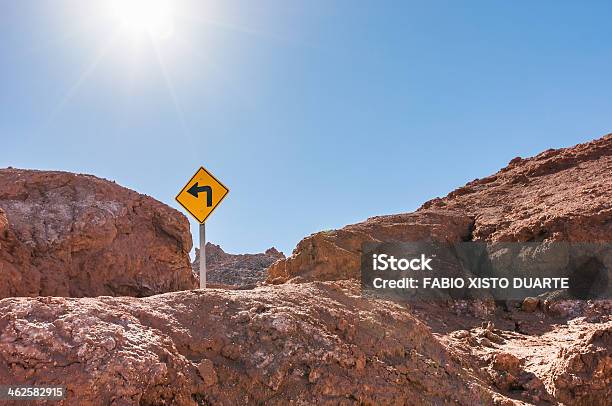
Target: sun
151,17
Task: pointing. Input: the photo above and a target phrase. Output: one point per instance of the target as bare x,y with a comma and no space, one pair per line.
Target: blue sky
314,113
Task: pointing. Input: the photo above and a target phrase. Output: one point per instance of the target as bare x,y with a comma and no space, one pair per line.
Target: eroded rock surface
309,343
582,370
335,254
558,195
236,270
63,234
323,342
532,356
316,343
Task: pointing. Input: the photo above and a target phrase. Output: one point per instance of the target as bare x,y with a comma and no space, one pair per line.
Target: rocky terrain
559,195
63,234
310,337
237,270
318,343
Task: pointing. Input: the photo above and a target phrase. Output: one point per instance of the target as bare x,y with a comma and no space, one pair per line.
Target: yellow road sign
202,194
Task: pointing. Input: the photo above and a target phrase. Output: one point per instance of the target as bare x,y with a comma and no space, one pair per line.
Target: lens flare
152,17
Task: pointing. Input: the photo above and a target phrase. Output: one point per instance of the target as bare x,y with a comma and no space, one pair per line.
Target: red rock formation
334,255
63,234
237,270
582,372
563,194
311,343
317,343
323,342
550,361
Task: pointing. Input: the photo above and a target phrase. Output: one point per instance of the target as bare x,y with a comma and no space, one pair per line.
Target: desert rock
333,255
317,343
530,304
235,270
582,372
558,195
63,234
323,342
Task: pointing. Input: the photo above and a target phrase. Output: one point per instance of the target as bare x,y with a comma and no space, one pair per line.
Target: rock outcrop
317,343
582,372
335,254
310,343
559,195
235,270
546,360
63,234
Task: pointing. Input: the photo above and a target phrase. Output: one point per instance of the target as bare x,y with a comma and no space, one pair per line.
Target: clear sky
314,113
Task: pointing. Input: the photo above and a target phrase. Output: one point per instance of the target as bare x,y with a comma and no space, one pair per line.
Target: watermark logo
504,271
383,262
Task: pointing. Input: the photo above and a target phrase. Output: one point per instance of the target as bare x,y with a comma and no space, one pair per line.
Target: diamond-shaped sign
202,194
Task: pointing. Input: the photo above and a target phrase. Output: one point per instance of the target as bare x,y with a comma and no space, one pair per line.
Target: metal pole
202,256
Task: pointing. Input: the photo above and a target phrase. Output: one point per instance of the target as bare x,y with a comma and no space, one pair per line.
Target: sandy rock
507,374
504,371
564,308
505,362
63,234
484,341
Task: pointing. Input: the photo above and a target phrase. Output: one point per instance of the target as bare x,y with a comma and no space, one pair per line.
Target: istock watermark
503,271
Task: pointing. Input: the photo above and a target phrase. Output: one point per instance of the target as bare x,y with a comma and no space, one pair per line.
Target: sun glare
152,17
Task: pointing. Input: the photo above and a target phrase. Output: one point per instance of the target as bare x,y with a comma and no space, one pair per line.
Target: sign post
200,196
202,256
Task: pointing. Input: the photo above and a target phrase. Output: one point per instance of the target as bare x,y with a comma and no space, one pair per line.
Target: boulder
64,234
530,304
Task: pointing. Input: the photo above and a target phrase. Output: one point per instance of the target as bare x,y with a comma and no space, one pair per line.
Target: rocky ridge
235,270
558,195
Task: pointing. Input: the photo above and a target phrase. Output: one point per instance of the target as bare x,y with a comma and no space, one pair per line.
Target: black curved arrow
195,190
